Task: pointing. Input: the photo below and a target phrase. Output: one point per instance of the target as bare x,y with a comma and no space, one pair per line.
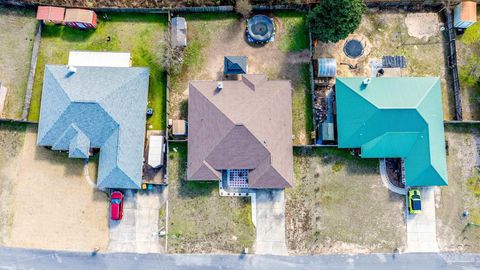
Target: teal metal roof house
97,107
395,118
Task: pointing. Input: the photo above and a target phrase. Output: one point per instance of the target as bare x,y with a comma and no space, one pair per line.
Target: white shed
156,150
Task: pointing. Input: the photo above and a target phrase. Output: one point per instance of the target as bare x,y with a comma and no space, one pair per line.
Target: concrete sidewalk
270,222
138,230
421,228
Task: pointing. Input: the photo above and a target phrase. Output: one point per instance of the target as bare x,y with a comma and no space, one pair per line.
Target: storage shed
156,150
49,14
327,67
234,65
80,18
179,32
465,14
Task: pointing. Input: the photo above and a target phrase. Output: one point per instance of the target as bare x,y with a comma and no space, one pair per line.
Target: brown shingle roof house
243,125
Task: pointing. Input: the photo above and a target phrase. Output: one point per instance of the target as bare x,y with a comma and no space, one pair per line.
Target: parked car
116,205
414,201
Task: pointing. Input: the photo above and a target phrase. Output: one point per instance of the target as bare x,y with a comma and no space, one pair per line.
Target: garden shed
49,14
179,32
327,67
234,65
465,14
80,18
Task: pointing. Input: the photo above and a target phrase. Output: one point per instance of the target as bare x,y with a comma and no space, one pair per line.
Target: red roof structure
51,14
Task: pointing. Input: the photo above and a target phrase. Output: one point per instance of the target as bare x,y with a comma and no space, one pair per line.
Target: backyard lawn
339,205
17,33
468,55
456,233
213,36
200,221
140,34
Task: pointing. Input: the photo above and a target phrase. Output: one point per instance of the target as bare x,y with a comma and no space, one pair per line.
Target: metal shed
327,67
156,148
465,14
179,32
235,65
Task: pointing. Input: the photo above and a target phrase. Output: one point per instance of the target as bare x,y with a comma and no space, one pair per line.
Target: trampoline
260,29
353,48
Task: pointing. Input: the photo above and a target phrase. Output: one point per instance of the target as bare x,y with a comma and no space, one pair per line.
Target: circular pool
260,29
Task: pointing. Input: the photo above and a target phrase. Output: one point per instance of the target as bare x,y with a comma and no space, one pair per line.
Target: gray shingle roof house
97,107
235,65
245,125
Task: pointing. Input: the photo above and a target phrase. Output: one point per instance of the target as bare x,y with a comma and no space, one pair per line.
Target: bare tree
243,7
172,56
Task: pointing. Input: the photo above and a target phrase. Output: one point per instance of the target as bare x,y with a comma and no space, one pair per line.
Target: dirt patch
388,35
52,200
339,205
17,31
11,141
422,25
453,233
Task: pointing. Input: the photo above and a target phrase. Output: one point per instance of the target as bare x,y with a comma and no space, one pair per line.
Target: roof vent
367,81
219,86
72,69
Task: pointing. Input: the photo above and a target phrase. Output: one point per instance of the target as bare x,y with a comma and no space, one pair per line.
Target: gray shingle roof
97,107
246,125
235,65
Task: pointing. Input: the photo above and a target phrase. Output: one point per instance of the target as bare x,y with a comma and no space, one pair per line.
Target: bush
334,20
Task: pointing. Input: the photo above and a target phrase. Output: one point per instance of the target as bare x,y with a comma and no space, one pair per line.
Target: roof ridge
428,91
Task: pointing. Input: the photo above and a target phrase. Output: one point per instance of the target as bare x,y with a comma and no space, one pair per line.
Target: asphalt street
12,258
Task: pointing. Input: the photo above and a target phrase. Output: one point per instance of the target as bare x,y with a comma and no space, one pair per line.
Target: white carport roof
99,59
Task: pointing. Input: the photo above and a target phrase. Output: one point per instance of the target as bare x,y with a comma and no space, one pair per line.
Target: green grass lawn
302,107
140,34
200,221
295,35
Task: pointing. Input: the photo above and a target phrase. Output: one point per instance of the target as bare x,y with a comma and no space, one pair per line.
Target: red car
116,205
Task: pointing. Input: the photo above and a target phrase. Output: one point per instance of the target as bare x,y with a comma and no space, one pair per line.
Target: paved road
11,259
138,230
270,222
421,228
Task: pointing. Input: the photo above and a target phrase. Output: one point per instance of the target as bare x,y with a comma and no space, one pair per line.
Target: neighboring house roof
79,15
97,107
395,118
54,14
246,125
235,65
327,67
179,32
99,59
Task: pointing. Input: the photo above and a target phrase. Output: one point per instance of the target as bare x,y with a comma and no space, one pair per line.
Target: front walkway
270,222
138,230
421,228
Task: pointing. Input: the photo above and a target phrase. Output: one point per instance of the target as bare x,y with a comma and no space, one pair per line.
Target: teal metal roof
97,107
395,118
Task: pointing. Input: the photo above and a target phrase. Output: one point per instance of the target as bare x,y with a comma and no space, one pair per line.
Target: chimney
219,86
367,81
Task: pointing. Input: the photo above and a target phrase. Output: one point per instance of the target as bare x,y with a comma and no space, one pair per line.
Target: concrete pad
422,228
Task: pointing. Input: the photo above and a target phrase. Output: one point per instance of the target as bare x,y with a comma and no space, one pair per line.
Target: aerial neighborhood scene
240,134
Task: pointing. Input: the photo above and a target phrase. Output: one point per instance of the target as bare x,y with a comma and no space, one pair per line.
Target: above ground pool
260,29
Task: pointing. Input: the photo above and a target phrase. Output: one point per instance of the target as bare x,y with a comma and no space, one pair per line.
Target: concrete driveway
421,228
270,222
138,230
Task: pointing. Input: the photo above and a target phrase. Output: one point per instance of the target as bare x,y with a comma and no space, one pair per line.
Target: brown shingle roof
469,11
246,125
